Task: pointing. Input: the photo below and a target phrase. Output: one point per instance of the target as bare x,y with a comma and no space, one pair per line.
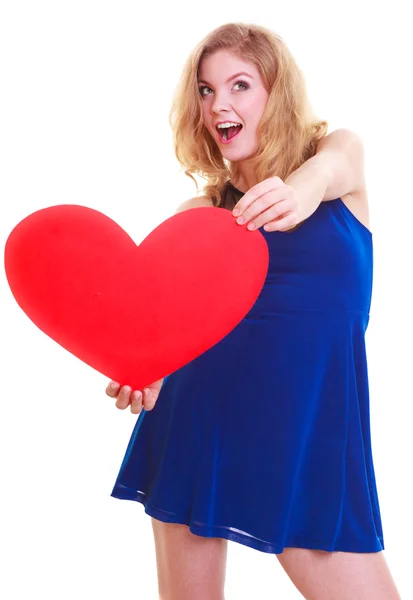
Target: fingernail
251,226
240,220
235,212
113,386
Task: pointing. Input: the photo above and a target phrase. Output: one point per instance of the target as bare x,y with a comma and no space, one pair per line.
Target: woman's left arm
335,170
338,163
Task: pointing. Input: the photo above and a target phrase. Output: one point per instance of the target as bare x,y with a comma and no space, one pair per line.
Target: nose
219,104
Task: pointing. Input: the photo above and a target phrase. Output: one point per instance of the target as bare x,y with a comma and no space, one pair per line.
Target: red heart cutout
135,313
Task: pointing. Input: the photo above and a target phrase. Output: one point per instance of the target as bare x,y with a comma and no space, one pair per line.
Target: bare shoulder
194,203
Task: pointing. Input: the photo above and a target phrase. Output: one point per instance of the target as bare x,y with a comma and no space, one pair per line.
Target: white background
86,89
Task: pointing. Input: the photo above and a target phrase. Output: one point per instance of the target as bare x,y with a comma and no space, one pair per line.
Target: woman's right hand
136,399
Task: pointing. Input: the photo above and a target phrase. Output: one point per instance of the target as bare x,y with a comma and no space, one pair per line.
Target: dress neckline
233,187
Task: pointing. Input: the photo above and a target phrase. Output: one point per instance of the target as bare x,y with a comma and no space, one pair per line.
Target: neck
246,178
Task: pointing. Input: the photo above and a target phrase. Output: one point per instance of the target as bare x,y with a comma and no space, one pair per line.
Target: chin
236,156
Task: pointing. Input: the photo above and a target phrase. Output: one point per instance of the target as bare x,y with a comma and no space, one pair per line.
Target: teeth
228,124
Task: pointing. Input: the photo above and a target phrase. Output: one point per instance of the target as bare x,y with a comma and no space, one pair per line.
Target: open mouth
227,134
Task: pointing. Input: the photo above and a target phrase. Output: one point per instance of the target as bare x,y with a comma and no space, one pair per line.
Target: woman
265,438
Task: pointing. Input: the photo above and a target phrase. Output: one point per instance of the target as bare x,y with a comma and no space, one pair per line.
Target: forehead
222,64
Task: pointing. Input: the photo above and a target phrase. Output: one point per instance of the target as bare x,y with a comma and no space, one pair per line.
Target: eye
246,86
205,87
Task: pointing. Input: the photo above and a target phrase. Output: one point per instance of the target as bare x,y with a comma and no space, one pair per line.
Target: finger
271,198
123,398
136,402
112,389
284,224
276,211
252,213
256,192
149,398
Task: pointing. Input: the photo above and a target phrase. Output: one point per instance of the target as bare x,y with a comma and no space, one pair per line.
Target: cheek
206,119
259,107
253,110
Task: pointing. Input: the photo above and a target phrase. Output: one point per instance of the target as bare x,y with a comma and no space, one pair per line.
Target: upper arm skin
194,203
341,155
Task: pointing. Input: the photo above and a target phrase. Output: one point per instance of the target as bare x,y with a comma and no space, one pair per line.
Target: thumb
150,396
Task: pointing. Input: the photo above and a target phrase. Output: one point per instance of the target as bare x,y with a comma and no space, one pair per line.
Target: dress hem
123,493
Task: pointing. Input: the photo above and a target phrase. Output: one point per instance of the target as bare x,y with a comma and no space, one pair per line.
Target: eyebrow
229,78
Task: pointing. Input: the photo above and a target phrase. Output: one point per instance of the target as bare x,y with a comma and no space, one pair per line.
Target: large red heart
135,313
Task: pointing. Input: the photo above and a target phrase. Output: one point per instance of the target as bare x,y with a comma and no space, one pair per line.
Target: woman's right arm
147,398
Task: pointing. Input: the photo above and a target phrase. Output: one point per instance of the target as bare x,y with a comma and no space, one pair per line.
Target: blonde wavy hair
288,132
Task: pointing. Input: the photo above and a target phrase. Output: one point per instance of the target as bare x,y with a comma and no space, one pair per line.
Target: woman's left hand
270,203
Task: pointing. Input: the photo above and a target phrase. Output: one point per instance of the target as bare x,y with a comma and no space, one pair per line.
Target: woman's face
226,98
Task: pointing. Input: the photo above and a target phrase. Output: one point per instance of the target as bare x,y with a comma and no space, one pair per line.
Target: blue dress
265,438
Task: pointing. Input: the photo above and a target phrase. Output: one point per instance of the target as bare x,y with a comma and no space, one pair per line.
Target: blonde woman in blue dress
265,439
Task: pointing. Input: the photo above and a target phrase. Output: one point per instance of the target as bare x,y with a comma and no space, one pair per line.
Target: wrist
311,180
